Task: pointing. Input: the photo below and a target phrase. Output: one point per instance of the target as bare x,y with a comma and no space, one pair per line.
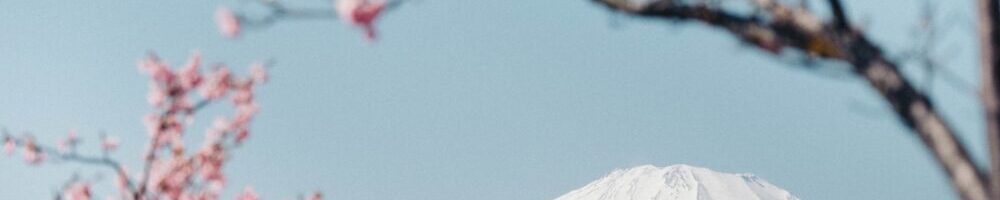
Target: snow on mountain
677,182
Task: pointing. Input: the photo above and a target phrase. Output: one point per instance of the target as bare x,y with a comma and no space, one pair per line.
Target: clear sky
492,100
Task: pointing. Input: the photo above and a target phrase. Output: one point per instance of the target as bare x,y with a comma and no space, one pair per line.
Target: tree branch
150,155
839,17
797,29
73,156
989,36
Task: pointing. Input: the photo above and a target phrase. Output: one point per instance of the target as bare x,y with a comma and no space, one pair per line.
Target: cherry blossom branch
34,154
279,10
359,13
113,164
175,176
786,27
150,153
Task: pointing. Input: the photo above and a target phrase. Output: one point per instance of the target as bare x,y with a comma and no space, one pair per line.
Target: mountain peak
677,182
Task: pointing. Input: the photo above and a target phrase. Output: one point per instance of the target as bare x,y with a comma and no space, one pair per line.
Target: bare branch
798,29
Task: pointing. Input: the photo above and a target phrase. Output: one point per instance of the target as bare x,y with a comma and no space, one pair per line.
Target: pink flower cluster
360,13
170,170
169,92
31,152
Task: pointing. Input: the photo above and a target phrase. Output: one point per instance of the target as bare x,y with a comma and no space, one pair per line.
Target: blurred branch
278,11
797,29
73,156
989,36
838,14
927,52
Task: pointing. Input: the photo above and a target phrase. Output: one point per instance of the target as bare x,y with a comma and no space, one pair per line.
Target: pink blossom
153,124
243,95
177,144
32,154
158,170
69,142
244,113
215,134
189,74
228,22
215,187
164,130
248,194
171,177
156,95
257,72
316,196
77,191
109,144
361,13
167,85
179,175
242,134
9,145
212,157
161,76
220,124
155,68
217,83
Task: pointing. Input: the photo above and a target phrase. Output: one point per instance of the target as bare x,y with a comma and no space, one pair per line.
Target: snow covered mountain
677,182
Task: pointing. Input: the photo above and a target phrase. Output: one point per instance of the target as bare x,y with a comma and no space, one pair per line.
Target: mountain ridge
677,182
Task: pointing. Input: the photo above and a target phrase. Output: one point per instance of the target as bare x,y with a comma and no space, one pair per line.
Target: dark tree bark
989,37
791,28
839,18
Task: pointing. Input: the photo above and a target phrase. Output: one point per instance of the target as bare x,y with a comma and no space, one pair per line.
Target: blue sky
482,99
